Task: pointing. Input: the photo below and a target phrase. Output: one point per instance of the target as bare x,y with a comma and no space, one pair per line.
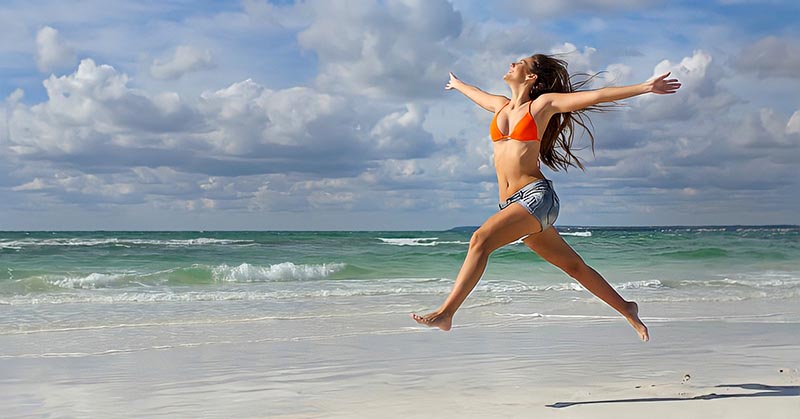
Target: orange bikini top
525,130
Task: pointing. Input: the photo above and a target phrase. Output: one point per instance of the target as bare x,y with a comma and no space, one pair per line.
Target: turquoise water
668,262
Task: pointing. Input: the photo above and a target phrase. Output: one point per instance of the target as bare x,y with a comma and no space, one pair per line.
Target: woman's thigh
506,226
551,247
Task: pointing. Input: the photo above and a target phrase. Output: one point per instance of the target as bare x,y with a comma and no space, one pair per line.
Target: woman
542,95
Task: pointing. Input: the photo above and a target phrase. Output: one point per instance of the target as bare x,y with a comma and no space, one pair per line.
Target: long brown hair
553,77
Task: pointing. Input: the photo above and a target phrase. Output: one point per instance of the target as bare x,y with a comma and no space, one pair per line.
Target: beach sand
727,360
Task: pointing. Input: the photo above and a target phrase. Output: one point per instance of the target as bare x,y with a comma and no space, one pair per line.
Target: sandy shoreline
490,365
609,401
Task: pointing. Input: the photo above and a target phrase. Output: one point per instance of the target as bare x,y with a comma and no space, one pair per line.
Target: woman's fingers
449,84
662,85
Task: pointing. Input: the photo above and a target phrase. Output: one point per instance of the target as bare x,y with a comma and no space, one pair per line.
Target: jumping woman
542,95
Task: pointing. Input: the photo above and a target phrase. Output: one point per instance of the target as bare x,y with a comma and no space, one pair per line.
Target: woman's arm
490,102
569,102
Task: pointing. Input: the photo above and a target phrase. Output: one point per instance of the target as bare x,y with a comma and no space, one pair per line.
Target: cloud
696,146
292,130
484,51
101,131
94,107
102,190
377,51
765,129
304,130
793,126
185,59
587,61
618,74
400,134
339,106
51,50
702,92
550,8
578,61
770,57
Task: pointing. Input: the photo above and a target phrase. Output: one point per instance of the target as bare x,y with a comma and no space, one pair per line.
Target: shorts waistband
516,195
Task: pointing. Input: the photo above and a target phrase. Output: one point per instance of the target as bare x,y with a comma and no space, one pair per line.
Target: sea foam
286,271
86,242
576,233
411,241
195,274
419,241
91,281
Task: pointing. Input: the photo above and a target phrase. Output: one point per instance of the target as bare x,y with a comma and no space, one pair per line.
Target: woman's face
518,71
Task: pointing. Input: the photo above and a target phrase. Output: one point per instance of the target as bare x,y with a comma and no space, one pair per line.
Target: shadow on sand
765,391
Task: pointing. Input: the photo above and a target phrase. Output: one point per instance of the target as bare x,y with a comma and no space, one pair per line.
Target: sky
332,115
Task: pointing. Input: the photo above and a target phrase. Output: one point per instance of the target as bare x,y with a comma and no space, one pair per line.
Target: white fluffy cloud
382,50
99,136
400,134
52,52
578,61
185,59
308,130
701,90
94,108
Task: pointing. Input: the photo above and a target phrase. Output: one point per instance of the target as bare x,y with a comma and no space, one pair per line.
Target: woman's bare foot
435,319
636,322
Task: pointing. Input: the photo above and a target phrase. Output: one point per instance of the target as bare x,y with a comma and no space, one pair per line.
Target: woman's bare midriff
517,164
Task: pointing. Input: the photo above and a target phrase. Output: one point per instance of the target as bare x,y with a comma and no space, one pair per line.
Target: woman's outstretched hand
660,85
453,81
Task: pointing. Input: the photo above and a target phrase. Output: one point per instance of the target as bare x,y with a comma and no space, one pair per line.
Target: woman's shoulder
544,97
540,102
501,103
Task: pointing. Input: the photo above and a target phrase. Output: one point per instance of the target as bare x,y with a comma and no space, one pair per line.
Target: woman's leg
499,230
552,248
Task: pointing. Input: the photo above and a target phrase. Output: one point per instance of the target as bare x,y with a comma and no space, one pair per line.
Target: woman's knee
479,242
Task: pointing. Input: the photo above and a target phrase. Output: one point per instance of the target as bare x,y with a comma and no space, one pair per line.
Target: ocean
86,280
278,268
301,324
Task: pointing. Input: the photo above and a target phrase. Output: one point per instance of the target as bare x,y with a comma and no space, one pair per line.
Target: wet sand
732,360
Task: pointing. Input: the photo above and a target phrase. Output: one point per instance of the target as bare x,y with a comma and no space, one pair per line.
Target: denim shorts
540,199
